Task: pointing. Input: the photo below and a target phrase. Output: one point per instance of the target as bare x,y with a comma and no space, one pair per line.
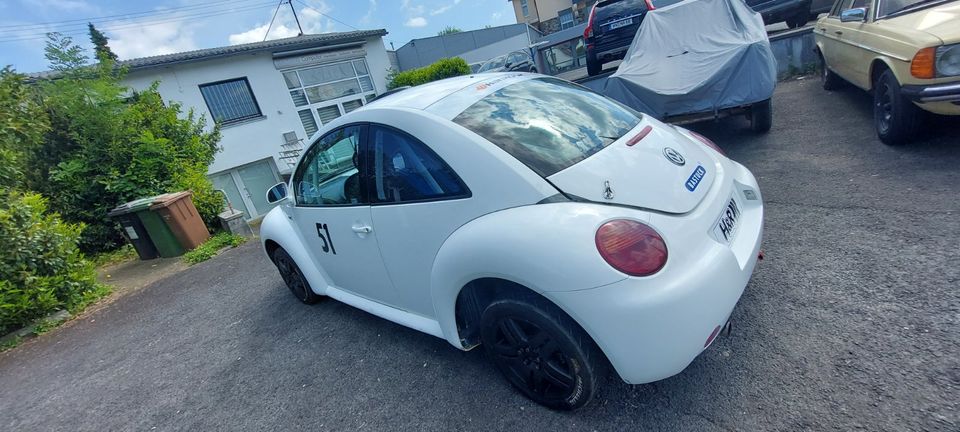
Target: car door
417,202
332,213
840,49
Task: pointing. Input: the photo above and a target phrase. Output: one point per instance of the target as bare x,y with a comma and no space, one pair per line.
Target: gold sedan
907,52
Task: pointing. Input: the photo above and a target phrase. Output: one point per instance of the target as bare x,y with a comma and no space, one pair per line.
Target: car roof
449,97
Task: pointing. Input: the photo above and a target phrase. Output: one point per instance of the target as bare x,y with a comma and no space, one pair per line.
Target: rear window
619,9
547,123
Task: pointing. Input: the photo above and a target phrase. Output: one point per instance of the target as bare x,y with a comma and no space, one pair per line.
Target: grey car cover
696,56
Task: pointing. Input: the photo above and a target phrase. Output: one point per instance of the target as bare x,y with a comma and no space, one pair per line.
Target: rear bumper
949,92
651,328
607,53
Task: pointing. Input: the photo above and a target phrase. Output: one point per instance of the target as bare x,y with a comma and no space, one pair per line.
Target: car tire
593,65
828,79
533,70
761,116
896,118
542,352
293,277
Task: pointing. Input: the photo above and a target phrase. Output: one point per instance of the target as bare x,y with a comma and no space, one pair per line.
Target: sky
139,28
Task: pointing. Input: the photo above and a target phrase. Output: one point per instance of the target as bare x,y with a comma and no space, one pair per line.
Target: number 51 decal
324,234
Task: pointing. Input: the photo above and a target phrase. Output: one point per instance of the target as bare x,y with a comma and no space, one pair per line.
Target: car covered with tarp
699,59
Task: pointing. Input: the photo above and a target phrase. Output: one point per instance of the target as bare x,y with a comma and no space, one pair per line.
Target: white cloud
411,10
370,12
151,40
444,8
416,22
284,26
256,34
60,5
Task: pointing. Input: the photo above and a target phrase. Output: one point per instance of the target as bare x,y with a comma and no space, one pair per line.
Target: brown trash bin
178,211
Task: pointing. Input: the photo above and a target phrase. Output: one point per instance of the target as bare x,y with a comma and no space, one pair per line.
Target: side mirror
854,15
508,65
277,193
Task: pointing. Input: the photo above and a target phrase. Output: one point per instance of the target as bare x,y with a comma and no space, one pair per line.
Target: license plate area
725,229
622,23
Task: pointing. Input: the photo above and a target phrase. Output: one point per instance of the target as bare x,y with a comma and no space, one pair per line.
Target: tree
108,145
41,268
23,124
100,47
448,30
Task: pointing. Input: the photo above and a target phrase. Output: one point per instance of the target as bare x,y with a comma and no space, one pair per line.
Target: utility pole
290,2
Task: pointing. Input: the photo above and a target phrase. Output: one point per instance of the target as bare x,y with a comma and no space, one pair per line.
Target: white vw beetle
559,229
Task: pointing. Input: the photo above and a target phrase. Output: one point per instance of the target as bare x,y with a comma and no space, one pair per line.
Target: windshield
493,64
547,123
888,7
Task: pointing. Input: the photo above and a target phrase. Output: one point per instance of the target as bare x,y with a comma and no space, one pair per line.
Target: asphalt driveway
850,323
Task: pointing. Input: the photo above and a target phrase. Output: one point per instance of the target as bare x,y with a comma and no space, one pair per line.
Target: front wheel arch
877,68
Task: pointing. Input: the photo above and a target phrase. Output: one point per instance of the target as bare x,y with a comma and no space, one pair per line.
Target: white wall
258,139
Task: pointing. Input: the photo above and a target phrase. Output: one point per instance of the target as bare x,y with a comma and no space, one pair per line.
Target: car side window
516,58
331,171
840,6
835,10
406,170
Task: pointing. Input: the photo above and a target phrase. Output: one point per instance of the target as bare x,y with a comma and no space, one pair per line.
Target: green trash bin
163,238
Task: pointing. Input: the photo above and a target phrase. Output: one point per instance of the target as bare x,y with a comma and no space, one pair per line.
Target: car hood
643,175
939,21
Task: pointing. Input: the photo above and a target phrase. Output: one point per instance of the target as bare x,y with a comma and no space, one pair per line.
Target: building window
323,93
523,6
230,101
566,19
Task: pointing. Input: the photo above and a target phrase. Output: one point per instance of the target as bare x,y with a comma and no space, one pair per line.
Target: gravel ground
850,323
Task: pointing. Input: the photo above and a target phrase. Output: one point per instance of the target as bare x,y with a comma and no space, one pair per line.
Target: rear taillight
631,247
588,32
649,4
707,141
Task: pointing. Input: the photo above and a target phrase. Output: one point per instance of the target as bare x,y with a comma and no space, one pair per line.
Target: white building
269,97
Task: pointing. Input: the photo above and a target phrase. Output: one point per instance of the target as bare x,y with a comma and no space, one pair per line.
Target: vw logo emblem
674,156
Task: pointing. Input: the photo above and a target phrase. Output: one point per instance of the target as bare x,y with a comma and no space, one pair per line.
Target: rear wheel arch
270,246
474,297
479,293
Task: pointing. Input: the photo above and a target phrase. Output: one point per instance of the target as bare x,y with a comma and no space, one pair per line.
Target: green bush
41,268
443,68
108,145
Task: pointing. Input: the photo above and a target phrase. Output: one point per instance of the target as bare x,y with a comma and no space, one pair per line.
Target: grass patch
211,247
90,297
123,254
11,343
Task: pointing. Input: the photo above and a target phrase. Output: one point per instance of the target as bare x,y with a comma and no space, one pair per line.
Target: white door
247,186
333,216
417,202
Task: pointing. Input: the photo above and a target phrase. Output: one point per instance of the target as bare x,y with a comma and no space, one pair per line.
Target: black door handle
838,32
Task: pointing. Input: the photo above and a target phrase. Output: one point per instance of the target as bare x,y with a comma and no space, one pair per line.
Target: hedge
443,68
41,268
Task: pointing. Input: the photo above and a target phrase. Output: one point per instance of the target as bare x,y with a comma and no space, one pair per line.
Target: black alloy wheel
542,352
293,277
897,119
